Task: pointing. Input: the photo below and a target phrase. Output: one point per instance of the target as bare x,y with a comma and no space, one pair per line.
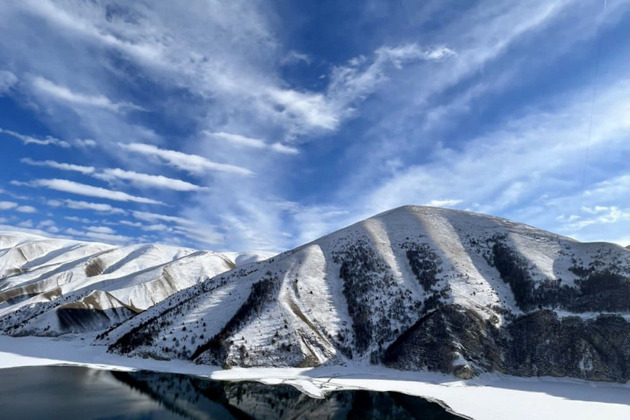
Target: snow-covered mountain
412,288
57,286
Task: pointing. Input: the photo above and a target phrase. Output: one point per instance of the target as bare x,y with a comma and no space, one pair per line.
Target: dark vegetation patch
94,267
536,344
377,304
425,264
541,344
262,292
436,339
600,288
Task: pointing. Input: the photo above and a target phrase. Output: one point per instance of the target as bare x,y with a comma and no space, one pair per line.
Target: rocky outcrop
456,340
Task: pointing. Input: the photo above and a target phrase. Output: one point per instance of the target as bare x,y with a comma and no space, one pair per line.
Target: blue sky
252,125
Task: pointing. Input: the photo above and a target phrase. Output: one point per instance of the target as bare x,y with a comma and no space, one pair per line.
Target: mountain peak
414,288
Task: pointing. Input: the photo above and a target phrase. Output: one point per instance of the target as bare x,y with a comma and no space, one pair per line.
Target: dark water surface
81,393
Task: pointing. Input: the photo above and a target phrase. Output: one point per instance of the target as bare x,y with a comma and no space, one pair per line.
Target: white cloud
227,61
190,163
482,171
49,225
78,20
48,140
101,229
154,217
83,220
64,94
443,203
146,180
110,174
26,224
595,214
89,190
26,209
100,236
294,57
203,236
200,233
132,224
85,143
57,165
253,143
83,205
360,77
7,81
7,205
242,72
158,227
603,215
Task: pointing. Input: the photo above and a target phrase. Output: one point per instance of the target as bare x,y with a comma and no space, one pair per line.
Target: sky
262,125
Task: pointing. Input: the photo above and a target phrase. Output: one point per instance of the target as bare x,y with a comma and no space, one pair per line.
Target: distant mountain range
415,288
57,286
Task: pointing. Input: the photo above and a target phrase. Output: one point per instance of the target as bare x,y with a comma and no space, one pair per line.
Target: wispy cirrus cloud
107,237
46,141
86,170
154,217
50,140
7,81
307,112
87,190
111,174
183,161
239,140
146,180
64,94
432,105
84,205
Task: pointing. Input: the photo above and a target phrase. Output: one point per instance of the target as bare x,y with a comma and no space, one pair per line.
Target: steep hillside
55,286
412,288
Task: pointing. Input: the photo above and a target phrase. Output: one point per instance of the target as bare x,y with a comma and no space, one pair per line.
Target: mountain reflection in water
75,392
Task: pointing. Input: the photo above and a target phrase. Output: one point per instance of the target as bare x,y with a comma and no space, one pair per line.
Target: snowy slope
413,288
54,286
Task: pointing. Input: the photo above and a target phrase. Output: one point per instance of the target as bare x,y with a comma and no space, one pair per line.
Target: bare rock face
596,349
536,344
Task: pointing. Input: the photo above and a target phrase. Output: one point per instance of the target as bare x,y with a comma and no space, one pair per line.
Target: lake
65,392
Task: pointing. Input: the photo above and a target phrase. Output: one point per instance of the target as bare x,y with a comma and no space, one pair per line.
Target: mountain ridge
56,286
415,288
353,296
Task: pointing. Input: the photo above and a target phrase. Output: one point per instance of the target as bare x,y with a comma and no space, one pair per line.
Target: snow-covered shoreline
490,396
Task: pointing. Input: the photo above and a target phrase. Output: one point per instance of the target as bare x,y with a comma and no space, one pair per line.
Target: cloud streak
48,140
253,143
72,187
112,174
194,164
64,94
84,205
7,81
146,180
86,170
